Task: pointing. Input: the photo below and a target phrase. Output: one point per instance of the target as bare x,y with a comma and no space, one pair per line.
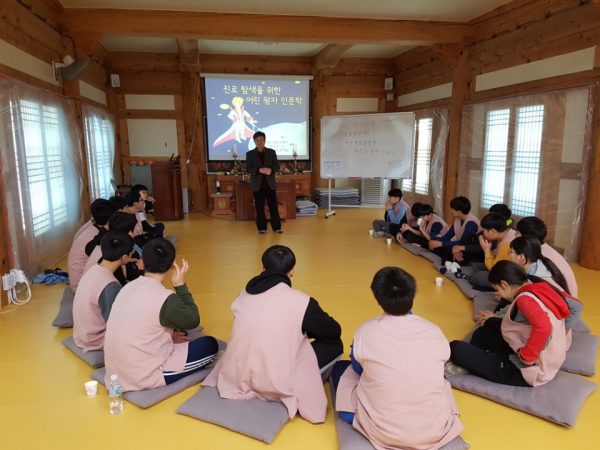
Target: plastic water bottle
115,394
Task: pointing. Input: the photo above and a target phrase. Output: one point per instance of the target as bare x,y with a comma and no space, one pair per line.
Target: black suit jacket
253,164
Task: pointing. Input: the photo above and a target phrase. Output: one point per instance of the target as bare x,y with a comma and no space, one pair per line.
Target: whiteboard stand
329,212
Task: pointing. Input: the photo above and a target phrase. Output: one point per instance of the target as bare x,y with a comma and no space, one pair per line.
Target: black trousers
268,194
327,350
487,355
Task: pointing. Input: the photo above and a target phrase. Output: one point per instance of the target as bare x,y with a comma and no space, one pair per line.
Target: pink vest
410,218
88,323
93,259
459,228
401,399
268,357
77,257
84,227
436,219
136,346
551,358
564,267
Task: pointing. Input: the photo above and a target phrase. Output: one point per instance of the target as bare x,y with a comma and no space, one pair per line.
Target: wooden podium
166,189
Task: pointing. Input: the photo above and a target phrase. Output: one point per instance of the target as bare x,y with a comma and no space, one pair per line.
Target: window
422,157
513,140
100,145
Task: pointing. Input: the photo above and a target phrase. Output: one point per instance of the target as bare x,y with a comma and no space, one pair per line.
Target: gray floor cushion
256,418
430,256
579,326
64,318
94,358
172,239
150,397
483,301
558,401
581,357
351,439
415,249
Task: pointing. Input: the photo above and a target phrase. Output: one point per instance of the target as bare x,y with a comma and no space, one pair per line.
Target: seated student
526,252
125,223
472,252
465,226
533,226
528,345
269,354
145,344
495,230
97,291
395,210
395,392
155,230
101,210
429,225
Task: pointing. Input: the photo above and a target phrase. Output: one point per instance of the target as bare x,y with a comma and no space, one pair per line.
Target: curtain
41,172
99,133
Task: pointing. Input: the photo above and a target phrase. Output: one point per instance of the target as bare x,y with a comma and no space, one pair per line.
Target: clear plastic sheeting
41,174
530,152
99,133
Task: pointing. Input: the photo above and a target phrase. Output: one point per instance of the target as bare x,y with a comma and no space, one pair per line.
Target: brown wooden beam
187,24
326,60
189,55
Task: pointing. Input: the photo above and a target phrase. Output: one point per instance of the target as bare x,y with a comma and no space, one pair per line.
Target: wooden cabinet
166,189
244,200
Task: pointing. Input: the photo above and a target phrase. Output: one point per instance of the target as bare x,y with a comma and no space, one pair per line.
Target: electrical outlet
19,275
8,281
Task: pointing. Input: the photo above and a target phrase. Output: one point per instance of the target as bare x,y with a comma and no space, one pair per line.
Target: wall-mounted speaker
389,83
115,80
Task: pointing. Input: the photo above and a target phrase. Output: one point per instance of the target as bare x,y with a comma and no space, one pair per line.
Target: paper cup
91,388
439,281
389,241
370,232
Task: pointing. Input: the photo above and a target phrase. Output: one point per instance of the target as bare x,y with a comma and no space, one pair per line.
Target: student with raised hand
270,355
534,226
395,212
145,342
465,226
155,230
429,226
528,345
148,199
101,210
394,391
97,291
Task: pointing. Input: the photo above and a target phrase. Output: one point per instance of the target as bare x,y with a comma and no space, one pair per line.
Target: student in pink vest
496,231
270,355
528,345
97,291
429,225
145,342
465,226
101,210
393,391
533,226
395,212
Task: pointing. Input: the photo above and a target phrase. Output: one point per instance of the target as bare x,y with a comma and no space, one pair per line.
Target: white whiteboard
367,145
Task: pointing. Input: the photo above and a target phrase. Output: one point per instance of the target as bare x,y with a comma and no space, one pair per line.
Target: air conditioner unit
374,191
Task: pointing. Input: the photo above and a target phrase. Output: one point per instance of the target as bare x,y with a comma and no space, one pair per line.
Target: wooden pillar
112,102
4,238
589,252
461,85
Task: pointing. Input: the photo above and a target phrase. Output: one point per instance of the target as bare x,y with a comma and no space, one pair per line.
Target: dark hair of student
462,204
118,201
395,192
503,210
115,244
139,188
122,221
514,275
415,208
532,226
101,210
531,248
278,259
158,255
394,289
494,221
259,134
423,210
132,198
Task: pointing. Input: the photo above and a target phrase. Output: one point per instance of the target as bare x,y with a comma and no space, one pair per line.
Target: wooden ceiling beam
189,55
252,27
326,60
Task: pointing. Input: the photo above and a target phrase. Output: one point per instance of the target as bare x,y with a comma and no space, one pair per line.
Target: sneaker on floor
378,233
262,231
280,231
451,369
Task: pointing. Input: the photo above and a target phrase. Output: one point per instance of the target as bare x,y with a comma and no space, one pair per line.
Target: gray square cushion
430,256
581,357
413,248
95,358
64,318
256,418
150,397
579,326
172,239
558,401
483,301
351,439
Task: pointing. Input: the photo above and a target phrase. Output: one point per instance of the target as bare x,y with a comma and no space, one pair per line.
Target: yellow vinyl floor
42,400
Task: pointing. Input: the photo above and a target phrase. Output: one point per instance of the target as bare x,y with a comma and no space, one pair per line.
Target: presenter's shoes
280,231
262,231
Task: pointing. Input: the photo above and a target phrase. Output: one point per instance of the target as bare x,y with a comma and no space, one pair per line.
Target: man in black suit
261,164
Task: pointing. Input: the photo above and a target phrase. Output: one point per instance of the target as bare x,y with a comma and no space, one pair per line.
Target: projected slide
238,107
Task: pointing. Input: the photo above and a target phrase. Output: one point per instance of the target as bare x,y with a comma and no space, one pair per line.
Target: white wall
18,59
